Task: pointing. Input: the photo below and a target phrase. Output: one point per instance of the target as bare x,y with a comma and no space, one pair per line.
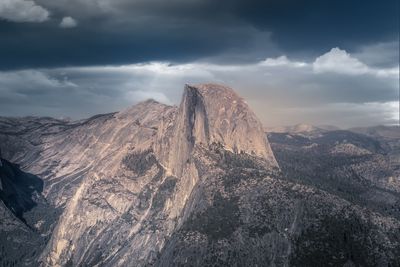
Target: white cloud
282,61
339,61
389,72
22,11
68,22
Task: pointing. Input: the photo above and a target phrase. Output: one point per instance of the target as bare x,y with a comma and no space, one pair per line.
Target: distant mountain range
201,184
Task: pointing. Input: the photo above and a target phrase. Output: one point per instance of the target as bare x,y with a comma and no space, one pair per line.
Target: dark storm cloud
47,46
122,31
314,24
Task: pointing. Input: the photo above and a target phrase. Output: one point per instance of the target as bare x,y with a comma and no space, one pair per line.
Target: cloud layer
282,91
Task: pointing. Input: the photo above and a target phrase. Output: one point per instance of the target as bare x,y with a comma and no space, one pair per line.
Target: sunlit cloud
339,61
281,61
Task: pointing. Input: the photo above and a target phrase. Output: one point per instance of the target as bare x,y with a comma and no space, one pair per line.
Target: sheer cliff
193,185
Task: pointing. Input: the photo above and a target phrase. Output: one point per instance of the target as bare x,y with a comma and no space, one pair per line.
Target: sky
319,62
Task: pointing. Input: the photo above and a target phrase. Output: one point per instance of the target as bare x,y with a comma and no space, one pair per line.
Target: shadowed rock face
196,185
17,188
26,218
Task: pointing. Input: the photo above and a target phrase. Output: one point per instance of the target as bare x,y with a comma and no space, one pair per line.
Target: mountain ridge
170,139
159,185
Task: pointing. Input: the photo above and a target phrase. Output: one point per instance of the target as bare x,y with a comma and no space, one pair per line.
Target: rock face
145,175
195,185
212,113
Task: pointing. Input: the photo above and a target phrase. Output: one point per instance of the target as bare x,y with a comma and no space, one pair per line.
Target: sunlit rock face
221,116
130,174
196,185
210,114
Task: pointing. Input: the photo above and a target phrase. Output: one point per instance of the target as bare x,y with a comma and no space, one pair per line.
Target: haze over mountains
201,184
